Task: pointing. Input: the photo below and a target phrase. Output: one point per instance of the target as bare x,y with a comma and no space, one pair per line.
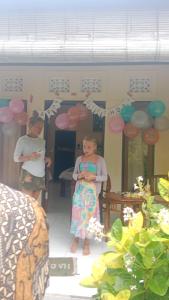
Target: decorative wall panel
91,85
59,85
140,85
12,84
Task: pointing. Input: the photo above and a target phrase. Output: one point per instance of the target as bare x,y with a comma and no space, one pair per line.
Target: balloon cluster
132,121
12,115
72,117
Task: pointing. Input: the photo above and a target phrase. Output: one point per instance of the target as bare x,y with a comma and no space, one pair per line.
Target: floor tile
59,215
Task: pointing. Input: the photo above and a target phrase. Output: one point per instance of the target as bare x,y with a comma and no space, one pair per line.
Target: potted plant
136,266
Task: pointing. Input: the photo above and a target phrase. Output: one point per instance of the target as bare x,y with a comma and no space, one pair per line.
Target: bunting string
52,110
91,105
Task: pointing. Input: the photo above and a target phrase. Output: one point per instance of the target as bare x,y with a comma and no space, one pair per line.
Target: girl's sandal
74,245
86,248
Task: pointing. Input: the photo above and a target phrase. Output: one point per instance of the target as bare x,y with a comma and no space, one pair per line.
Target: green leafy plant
136,265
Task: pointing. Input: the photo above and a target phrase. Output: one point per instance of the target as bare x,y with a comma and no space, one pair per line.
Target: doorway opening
64,146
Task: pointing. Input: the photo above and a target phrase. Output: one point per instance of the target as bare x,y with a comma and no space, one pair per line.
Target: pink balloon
6,115
62,121
116,124
72,124
16,105
21,118
83,112
74,113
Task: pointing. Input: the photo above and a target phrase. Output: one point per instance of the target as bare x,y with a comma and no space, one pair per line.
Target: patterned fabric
85,204
30,182
23,247
88,166
101,171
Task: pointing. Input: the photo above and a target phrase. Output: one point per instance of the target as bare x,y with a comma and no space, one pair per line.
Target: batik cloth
23,247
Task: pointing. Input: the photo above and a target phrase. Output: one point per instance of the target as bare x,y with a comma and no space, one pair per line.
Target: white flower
92,220
128,261
95,229
140,178
136,187
129,270
141,281
128,213
133,287
163,216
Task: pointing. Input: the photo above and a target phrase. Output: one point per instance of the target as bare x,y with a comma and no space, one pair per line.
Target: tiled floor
67,287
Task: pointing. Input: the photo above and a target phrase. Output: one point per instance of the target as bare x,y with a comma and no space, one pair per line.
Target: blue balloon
4,102
156,108
127,112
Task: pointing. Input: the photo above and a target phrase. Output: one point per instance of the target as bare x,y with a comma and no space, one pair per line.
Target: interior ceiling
77,34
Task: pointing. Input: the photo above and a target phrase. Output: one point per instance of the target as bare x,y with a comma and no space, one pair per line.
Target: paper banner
102,112
52,110
91,105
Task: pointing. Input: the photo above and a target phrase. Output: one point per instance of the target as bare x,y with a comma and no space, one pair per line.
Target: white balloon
161,123
141,119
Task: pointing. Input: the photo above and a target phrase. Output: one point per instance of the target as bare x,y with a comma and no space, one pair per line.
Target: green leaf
108,280
163,186
156,248
148,261
158,284
117,229
138,294
122,282
88,282
156,208
144,238
134,250
106,288
161,263
151,253
152,296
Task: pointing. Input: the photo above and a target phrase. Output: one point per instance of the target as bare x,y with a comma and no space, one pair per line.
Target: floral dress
85,203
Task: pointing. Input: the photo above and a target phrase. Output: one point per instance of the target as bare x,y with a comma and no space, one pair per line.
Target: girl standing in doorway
89,173
30,151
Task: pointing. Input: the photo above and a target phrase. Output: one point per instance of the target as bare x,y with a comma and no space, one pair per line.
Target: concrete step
62,297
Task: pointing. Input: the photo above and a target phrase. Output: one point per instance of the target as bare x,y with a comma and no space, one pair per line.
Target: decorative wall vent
140,85
59,85
91,85
12,84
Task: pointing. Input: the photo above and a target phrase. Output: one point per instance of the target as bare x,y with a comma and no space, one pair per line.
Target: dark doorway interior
65,146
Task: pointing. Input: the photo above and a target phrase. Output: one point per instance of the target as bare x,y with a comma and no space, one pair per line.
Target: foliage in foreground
137,265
